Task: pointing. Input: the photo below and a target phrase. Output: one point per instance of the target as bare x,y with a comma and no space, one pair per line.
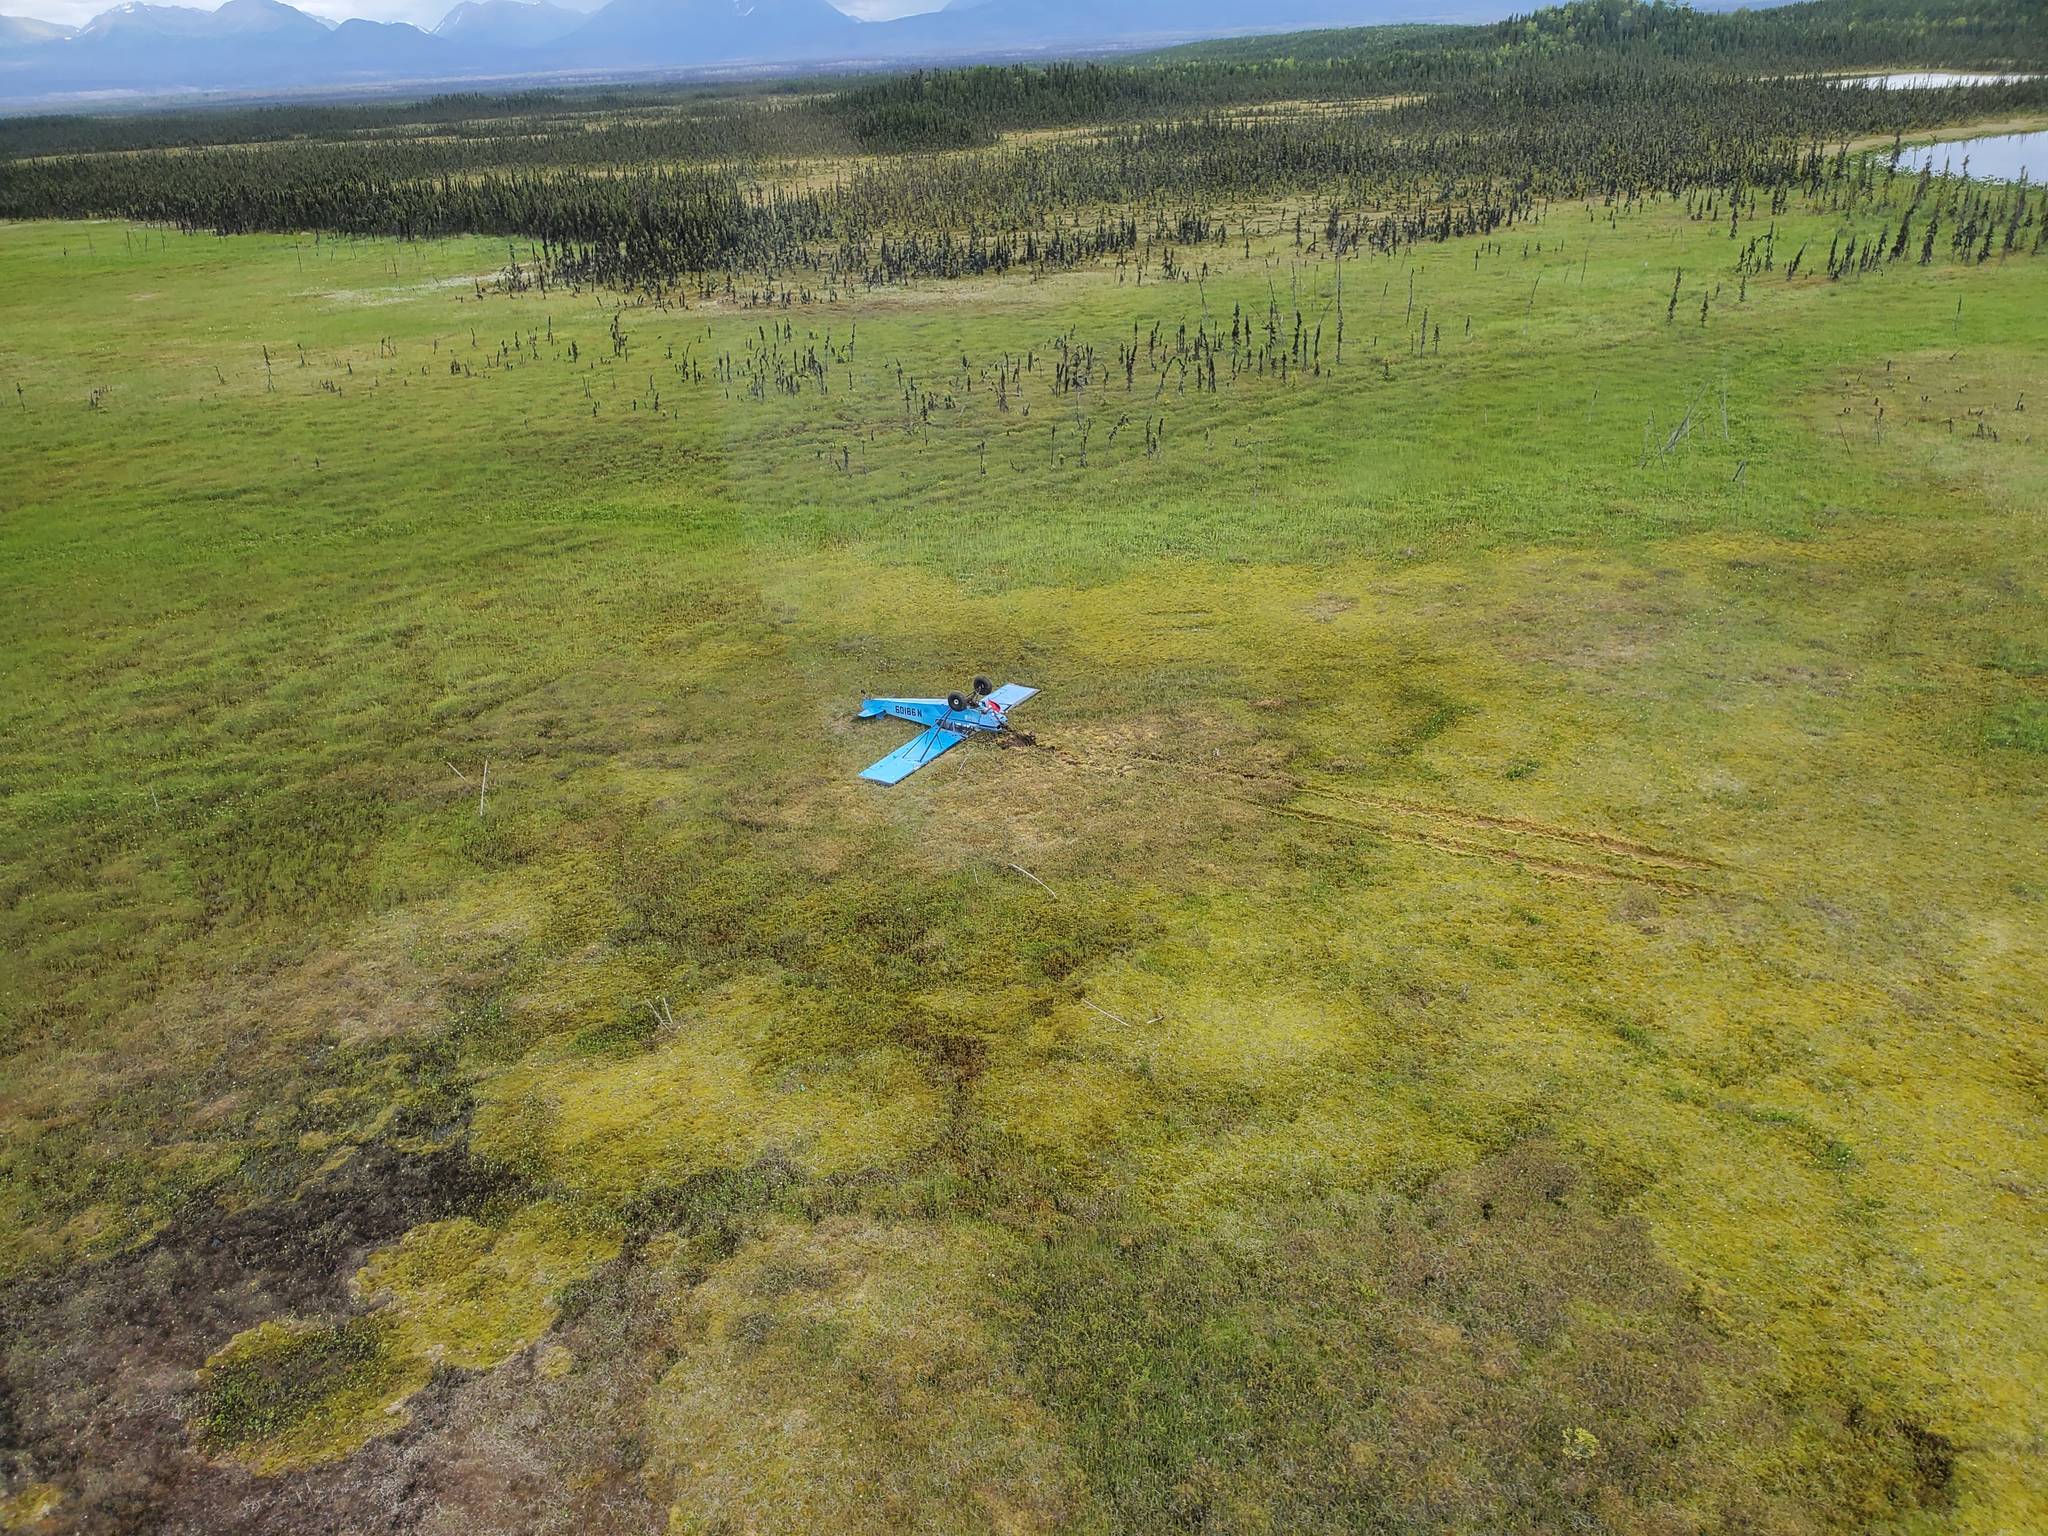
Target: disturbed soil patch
98,1362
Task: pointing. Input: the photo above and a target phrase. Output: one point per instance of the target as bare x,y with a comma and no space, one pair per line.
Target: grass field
1526,1011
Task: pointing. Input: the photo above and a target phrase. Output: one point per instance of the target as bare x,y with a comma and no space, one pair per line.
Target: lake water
1996,157
1931,79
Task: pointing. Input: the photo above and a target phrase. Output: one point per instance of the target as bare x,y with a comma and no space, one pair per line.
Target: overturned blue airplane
947,722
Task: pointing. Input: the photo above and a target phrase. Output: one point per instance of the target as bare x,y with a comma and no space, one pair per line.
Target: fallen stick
1107,1014
1055,895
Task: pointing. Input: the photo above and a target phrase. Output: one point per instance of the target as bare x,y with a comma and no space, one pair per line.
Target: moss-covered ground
1525,1012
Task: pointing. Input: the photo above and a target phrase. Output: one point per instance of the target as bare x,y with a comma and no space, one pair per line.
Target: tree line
612,202
941,109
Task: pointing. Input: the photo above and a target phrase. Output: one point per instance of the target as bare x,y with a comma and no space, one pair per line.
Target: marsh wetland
1506,994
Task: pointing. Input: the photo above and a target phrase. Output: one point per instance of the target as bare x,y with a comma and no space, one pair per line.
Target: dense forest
930,107
1816,34
953,108
1422,132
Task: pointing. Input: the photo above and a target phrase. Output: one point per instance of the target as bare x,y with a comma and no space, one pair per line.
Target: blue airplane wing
1010,695
911,756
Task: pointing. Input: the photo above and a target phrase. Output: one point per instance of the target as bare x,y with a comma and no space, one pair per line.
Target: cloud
73,13
887,10
421,13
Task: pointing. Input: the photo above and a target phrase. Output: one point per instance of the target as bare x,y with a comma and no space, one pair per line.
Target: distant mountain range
265,47
498,25
20,31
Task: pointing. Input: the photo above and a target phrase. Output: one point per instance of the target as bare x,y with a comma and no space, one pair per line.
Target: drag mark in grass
1635,854
1641,852
1553,868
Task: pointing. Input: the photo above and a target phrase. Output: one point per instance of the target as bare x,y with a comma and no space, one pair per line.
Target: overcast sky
422,13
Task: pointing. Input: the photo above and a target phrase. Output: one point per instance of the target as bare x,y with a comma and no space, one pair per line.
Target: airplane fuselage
975,717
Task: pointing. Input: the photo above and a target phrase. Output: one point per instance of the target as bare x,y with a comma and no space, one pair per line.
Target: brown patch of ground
97,1363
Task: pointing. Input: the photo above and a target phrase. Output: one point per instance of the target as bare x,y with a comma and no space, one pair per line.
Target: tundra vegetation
1506,994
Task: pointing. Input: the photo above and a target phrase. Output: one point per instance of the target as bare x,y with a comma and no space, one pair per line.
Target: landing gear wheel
983,687
954,701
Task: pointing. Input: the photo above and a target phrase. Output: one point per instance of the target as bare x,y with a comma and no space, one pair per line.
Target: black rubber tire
983,687
954,701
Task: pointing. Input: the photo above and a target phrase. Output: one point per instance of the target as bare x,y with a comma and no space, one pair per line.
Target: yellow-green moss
28,1506
289,1392
846,1378
463,1294
456,1293
699,1100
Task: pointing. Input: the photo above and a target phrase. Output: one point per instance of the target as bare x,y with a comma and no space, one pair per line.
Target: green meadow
1506,993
